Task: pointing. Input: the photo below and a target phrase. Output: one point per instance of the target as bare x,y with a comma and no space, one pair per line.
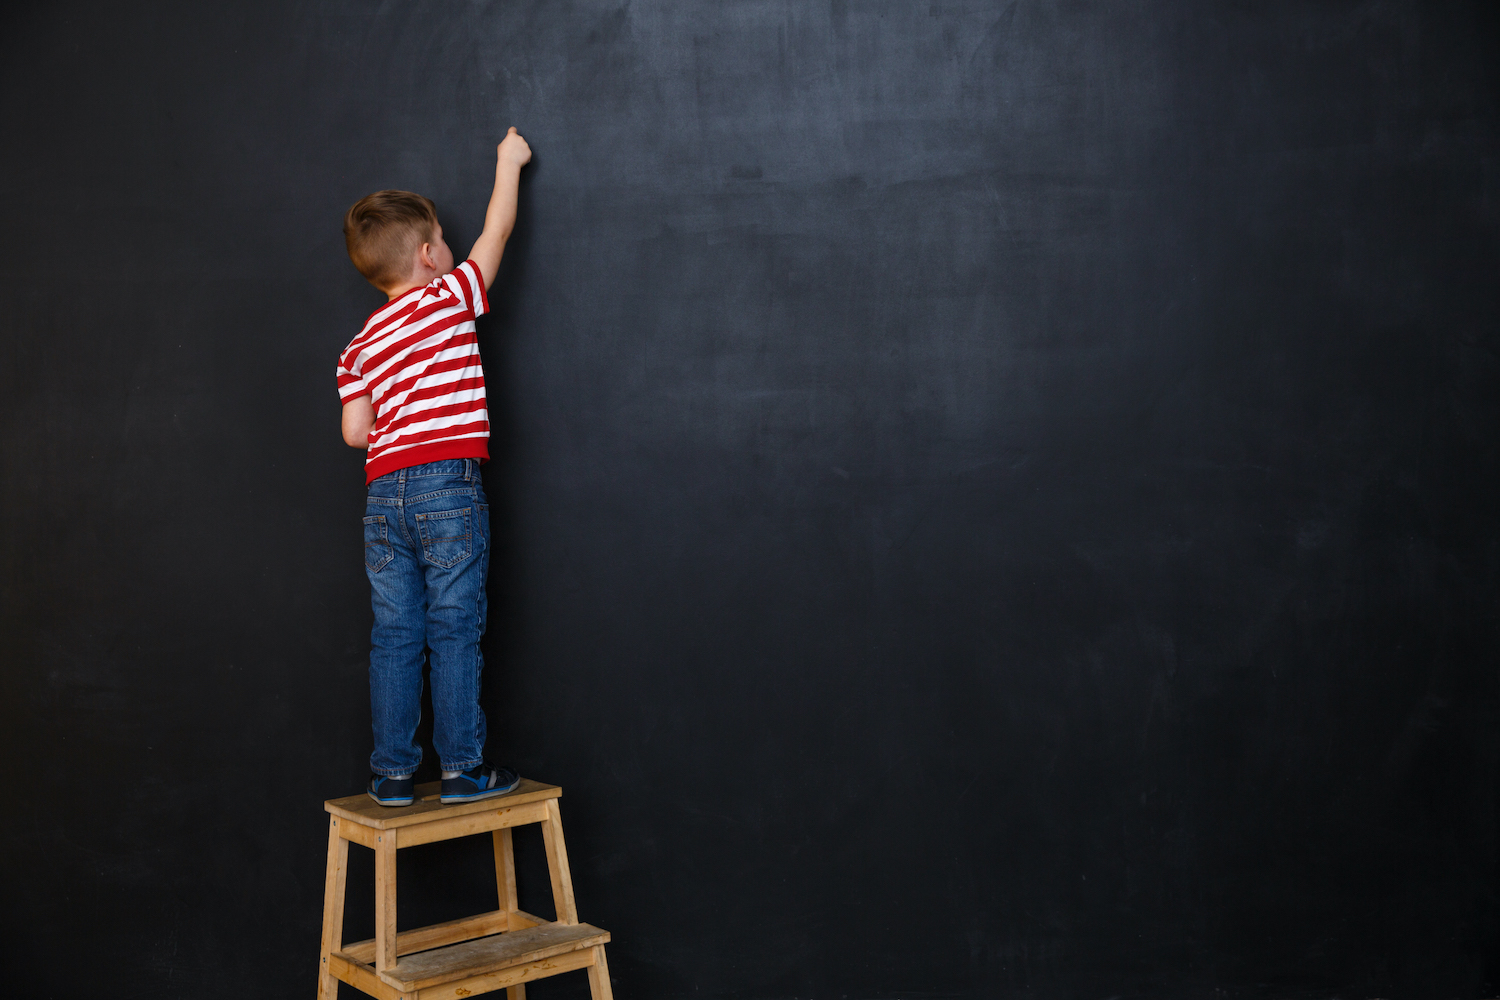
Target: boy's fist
513,149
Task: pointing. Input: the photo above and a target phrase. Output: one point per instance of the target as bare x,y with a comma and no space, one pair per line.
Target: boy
413,394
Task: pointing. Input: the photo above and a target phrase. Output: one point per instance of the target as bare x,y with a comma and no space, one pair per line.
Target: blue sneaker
392,791
479,782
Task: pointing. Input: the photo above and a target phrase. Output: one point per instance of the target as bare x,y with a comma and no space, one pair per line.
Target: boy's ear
425,256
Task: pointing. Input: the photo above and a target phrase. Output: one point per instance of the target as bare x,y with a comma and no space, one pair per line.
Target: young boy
413,394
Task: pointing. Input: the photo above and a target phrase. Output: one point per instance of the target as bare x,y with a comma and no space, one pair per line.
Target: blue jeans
427,552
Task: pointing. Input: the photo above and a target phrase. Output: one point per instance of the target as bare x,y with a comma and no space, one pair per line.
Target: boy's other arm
510,156
358,421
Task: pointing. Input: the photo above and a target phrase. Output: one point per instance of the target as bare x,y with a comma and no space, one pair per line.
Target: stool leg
385,901
505,889
333,908
557,865
505,871
599,976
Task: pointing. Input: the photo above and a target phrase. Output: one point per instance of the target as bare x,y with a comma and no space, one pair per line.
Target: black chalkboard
992,499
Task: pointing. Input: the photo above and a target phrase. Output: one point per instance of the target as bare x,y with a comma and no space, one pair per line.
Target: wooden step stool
506,947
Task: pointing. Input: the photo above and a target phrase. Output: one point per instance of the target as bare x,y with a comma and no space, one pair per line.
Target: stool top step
366,811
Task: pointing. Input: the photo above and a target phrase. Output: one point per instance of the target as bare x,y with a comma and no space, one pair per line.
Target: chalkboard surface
992,499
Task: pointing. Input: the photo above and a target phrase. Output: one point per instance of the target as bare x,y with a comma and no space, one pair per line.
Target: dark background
991,499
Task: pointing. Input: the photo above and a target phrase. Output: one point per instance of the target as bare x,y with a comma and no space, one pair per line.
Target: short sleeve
467,283
351,386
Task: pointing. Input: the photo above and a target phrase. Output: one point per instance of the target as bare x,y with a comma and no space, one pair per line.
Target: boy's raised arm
511,155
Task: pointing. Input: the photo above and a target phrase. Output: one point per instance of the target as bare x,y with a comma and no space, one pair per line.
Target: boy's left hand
513,149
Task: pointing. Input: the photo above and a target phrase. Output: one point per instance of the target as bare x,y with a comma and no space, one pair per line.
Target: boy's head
384,231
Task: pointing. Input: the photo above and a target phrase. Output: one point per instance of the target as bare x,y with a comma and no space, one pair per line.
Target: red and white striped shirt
418,360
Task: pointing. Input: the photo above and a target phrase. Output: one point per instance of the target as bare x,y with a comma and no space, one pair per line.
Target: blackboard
991,498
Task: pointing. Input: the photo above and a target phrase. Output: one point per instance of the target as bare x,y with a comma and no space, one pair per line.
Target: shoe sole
488,793
391,802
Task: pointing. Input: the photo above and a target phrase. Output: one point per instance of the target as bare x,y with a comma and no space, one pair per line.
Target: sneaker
392,791
479,783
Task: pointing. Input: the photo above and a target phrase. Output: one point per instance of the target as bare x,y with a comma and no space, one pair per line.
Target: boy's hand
513,150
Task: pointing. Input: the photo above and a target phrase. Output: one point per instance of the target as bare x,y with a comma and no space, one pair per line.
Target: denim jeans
427,552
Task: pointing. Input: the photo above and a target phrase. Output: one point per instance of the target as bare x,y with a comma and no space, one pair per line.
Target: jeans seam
462,491
478,653
401,513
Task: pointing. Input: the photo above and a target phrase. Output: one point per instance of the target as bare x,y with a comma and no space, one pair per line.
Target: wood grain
435,935
557,865
385,902
333,908
491,954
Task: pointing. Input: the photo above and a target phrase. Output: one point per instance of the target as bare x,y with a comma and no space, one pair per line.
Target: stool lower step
452,932
500,953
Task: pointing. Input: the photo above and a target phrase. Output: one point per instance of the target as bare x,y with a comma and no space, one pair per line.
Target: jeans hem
393,772
463,767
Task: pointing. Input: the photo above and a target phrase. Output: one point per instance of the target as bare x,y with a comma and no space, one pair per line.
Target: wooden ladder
504,948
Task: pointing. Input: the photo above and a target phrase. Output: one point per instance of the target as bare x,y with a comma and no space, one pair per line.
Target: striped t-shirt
418,360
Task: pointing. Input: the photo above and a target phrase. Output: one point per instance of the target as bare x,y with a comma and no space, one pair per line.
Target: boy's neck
396,291
421,276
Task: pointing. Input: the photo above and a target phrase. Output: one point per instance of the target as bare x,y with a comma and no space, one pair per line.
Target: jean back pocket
378,550
447,537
